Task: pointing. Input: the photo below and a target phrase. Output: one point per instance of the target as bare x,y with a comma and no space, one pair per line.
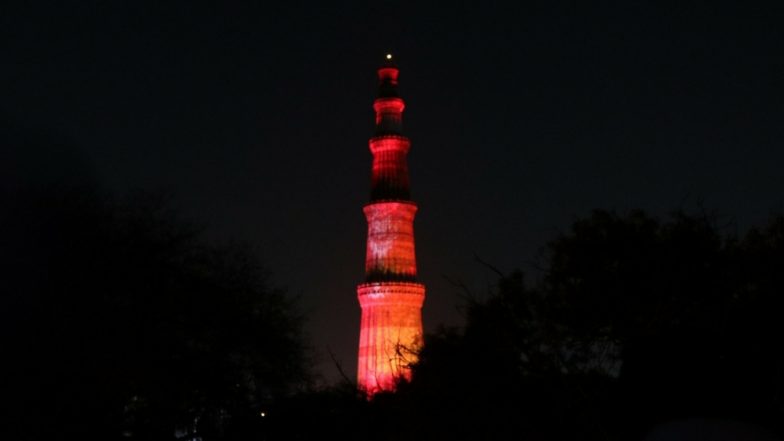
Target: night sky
254,118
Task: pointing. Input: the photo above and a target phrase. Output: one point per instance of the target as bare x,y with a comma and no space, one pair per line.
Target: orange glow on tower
391,298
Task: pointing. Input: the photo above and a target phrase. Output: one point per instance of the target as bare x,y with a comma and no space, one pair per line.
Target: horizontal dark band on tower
389,276
387,90
387,131
390,193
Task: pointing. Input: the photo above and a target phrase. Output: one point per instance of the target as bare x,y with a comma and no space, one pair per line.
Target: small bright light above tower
389,56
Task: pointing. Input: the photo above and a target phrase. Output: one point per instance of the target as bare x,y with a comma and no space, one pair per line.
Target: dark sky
255,116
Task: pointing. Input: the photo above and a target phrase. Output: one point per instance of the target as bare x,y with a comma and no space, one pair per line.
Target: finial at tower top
387,77
389,61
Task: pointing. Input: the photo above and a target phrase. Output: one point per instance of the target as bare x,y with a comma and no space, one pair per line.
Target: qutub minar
391,298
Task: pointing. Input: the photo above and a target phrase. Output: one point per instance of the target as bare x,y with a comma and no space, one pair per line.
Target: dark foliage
635,323
120,322
691,312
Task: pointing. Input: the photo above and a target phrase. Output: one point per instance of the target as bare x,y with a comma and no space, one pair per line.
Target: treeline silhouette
639,329
120,321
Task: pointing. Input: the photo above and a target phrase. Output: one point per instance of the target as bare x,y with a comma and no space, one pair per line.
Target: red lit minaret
391,298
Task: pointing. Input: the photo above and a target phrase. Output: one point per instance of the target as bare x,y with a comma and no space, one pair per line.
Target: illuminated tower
391,298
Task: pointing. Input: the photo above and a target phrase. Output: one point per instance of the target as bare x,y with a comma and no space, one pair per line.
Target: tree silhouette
120,322
635,322
691,310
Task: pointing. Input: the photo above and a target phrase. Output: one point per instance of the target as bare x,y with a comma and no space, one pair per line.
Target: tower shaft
390,298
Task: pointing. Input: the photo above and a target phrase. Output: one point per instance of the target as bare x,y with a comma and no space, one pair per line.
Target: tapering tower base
390,333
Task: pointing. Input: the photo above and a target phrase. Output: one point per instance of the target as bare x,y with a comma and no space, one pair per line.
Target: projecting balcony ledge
389,143
389,103
391,283
409,294
383,200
